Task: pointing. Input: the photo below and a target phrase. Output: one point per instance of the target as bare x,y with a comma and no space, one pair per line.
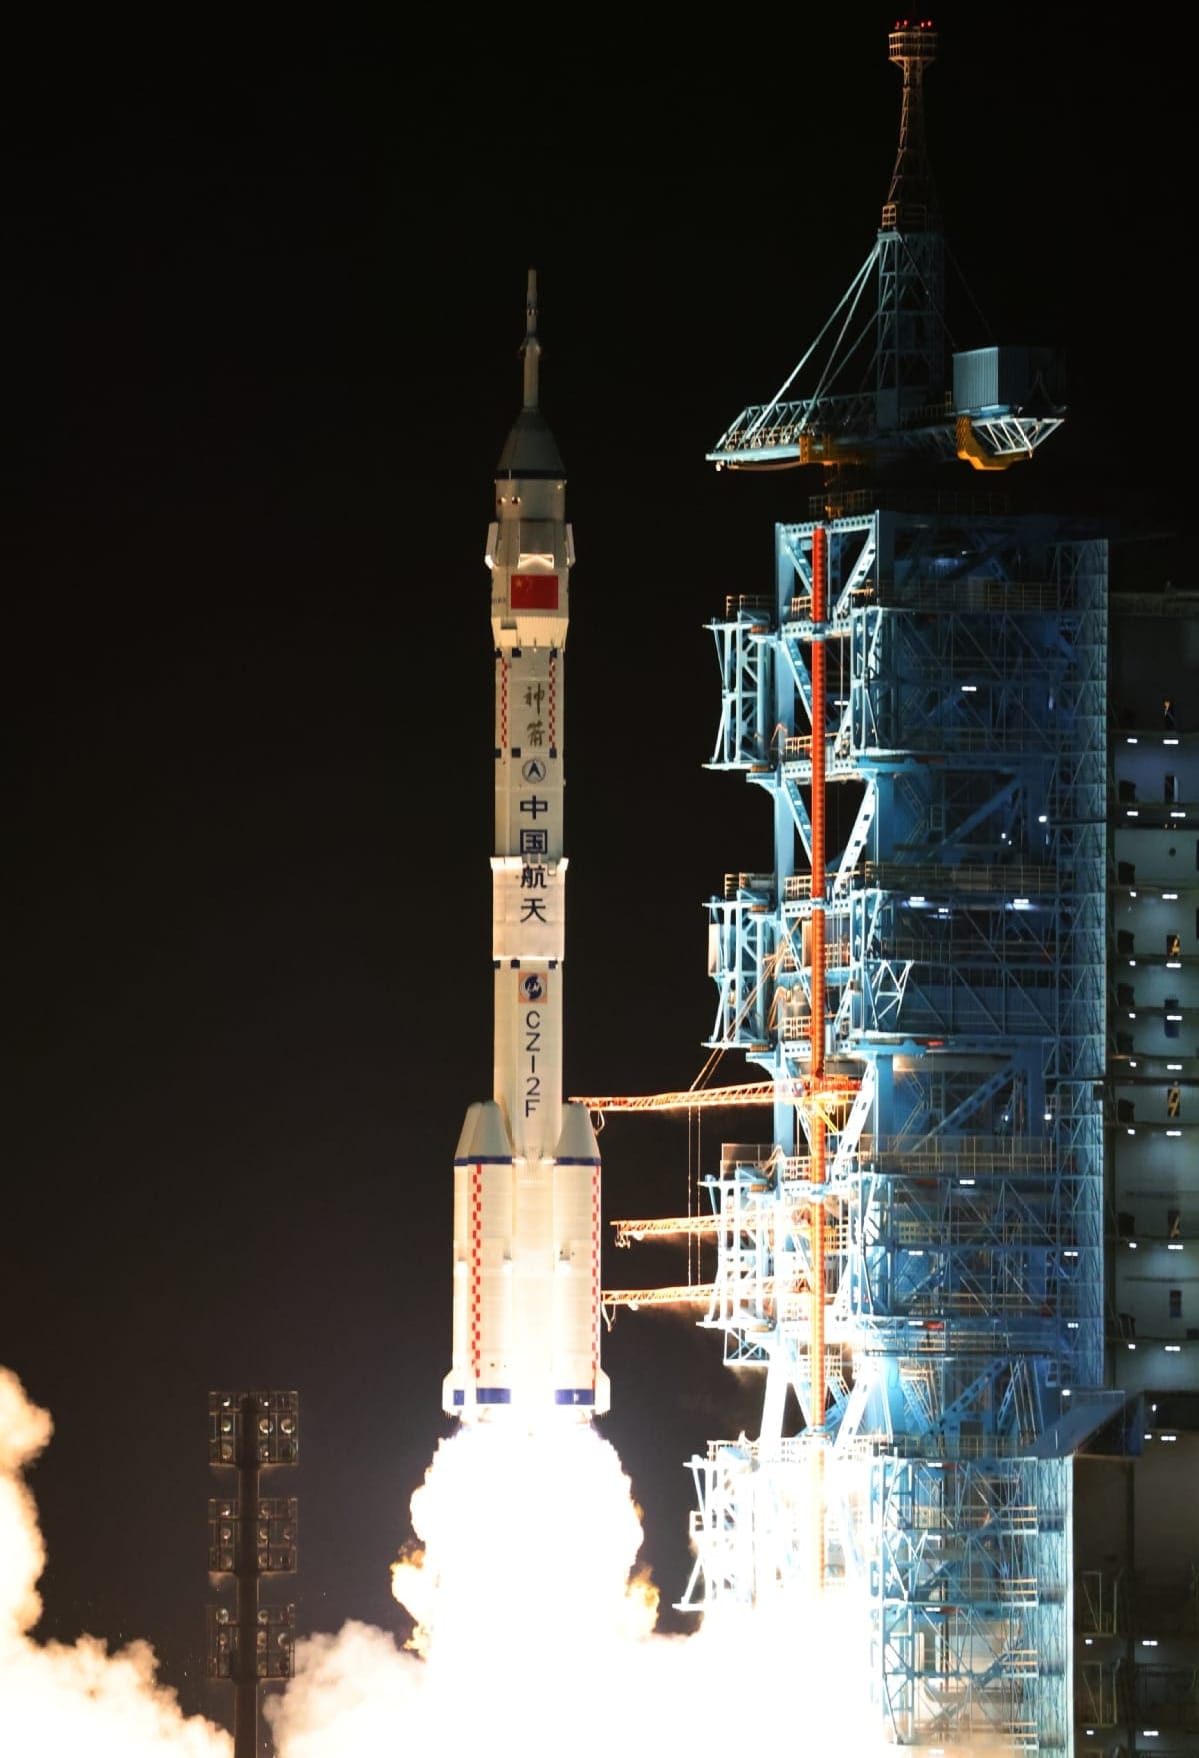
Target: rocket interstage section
526,1319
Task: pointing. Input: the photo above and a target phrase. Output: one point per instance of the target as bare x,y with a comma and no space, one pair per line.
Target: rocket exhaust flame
513,1528
526,1301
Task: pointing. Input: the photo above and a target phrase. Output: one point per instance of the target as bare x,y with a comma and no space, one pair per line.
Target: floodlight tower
249,1536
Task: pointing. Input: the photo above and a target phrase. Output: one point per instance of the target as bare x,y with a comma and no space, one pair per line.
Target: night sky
266,293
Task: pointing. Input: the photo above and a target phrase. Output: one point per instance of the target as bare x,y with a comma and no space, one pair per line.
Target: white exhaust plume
528,1606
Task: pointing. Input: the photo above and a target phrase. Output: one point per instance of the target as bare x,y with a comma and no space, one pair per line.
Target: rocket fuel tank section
526,1312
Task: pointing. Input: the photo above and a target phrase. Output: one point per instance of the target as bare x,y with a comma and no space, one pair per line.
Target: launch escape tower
915,1260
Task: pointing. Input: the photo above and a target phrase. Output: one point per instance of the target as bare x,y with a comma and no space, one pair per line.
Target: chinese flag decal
534,591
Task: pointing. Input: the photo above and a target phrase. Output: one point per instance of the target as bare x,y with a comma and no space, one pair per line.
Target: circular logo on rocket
532,986
534,770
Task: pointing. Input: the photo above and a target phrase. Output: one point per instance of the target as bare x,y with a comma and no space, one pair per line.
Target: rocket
526,1269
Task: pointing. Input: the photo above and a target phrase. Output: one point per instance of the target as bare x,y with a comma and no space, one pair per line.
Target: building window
1176,1303
1173,1101
1170,790
1173,945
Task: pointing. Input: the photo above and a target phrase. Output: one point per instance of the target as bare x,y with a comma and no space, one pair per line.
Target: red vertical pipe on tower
816,1124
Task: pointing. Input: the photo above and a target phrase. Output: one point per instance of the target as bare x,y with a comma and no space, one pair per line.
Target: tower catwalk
527,1170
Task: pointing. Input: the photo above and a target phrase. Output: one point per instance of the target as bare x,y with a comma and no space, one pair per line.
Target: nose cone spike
577,1140
531,348
530,450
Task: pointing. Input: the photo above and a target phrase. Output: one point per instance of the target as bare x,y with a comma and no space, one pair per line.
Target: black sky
261,355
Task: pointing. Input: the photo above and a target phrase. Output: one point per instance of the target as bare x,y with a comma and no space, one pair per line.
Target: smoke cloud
528,1608
57,1700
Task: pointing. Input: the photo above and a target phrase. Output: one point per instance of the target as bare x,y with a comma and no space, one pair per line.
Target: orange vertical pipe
816,1125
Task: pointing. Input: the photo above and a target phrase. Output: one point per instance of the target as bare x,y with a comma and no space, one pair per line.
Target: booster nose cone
467,1135
577,1140
490,1140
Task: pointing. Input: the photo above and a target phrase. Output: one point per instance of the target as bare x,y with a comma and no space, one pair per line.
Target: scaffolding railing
1023,879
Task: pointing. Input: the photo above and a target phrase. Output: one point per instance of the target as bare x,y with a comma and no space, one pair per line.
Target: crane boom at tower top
913,390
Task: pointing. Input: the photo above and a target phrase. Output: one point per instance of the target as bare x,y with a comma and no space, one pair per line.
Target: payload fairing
526,1316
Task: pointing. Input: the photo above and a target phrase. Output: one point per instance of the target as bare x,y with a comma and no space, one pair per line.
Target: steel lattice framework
888,339
965,1007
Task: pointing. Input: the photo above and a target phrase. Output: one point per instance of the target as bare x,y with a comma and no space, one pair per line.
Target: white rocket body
526,1318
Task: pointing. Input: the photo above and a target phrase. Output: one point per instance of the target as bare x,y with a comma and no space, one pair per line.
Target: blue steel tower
915,1260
